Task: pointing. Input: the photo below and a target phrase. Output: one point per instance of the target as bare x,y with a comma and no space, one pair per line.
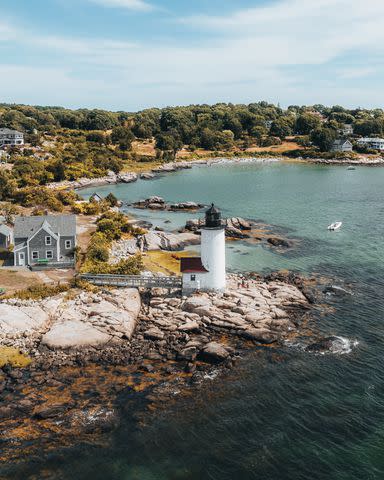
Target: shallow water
282,413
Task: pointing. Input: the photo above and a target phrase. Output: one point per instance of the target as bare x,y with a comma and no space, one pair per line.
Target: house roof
192,265
5,230
341,141
368,139
64,225
8,130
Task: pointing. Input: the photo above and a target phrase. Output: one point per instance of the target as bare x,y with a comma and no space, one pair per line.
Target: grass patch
37,292
168,263
13,356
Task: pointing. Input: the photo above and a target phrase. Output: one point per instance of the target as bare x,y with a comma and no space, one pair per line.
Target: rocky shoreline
119,341
112,178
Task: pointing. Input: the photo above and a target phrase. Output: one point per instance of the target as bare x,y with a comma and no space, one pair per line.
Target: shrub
37,292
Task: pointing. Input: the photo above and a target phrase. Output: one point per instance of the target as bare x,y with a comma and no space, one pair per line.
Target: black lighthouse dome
213,217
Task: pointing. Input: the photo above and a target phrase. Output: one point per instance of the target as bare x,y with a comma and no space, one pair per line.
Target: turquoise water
281,414
299,200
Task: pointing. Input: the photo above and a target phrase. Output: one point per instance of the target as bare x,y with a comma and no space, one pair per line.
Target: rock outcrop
87,320
158,203
155,240
21,319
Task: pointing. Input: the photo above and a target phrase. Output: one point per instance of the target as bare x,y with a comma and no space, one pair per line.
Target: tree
307,122
130,266
323,138
370,127
8,211
8,186
282,127
123,137
97,137
304,141
98,120
169,142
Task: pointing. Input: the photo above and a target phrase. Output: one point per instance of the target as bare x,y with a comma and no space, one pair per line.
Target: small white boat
351,168
335,226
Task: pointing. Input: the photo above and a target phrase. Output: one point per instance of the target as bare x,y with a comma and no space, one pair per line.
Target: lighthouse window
193,278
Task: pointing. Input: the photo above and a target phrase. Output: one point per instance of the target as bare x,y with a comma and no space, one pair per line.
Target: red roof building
192,265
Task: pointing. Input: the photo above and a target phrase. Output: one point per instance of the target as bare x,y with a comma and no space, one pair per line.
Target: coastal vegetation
111,226
63,144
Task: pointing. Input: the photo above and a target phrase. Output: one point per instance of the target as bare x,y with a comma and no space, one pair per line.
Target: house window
68,244
193,278
48,240
49,254
35,255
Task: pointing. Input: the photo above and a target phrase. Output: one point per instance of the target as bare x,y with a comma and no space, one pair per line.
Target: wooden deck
133,281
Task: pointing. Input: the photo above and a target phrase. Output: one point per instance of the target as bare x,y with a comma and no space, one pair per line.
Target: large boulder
21,319
74,334
214,352
195,302
147,175
154,333
127,177
260,335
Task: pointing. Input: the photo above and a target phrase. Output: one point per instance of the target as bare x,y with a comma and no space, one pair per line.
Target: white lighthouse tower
207,272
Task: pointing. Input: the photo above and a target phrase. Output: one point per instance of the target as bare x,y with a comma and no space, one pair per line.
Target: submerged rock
279,242
336,290
332,344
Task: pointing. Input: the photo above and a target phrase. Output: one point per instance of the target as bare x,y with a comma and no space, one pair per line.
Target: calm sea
281,414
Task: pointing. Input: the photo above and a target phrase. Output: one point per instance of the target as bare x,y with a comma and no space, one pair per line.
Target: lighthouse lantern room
207,272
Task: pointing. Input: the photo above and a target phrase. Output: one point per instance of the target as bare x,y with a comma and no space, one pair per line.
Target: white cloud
96,48
248,55
129,4
301,31
357,72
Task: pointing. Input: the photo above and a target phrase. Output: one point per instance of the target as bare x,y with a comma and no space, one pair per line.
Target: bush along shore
66,359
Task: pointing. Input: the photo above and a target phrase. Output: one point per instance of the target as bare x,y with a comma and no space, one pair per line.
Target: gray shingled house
342,145
45,241
6,236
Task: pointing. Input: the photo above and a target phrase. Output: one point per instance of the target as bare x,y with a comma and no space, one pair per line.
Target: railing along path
134,281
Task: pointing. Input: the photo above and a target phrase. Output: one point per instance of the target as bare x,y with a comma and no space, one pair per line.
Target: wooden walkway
134,281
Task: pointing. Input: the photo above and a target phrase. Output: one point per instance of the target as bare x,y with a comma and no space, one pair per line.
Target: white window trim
50,240
68,242
46,254
35,258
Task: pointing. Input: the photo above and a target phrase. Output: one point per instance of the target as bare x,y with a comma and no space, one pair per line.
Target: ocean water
281,414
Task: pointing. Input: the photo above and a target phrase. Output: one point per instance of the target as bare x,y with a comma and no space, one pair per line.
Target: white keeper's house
207,272
374,143
10,137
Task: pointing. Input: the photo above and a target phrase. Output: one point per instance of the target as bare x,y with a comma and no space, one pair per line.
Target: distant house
374,143
6,236
342,145
11,137
48,241
346,129
95,197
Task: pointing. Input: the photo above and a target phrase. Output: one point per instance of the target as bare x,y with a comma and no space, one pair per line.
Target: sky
133,54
